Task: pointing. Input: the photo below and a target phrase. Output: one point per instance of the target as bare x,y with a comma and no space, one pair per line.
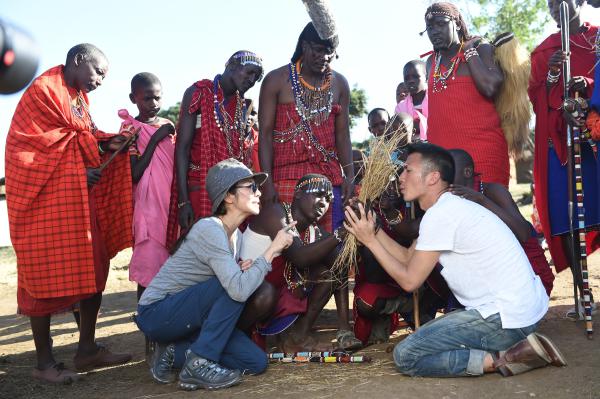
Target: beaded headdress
245,58
315,184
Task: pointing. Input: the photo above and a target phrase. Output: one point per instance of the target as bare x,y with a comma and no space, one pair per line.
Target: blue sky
184,41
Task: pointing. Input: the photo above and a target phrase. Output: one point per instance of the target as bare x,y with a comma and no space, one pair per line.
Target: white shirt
483,263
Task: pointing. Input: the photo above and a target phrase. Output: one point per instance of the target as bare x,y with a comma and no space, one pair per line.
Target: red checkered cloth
298,157
47,151
209,147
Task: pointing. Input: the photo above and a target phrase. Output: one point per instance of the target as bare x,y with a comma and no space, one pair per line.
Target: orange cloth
47,150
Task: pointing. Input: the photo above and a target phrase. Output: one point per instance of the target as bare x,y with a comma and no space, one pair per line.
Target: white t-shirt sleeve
437,231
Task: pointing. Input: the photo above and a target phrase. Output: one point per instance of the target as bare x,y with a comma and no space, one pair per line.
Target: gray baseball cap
226,174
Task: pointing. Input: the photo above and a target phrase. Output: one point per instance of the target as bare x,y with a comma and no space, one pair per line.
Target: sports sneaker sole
192,386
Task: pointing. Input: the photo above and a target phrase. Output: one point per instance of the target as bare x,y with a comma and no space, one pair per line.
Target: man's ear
132,98
433,177
468,172
78,59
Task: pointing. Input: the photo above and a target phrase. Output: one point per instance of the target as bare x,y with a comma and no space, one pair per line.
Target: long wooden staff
417,318
575,192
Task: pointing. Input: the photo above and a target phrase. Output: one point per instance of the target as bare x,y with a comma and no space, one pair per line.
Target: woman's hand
362,226
282,240
245,264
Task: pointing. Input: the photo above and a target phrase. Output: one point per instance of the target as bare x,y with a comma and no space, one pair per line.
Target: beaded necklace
224,122
593,46
289,270
439,77
81,111
313,105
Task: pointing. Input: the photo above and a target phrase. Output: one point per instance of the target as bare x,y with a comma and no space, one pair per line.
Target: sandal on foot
347,340
56,374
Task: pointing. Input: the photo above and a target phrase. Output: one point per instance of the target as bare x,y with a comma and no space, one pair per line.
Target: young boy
152,173
401,92
415,104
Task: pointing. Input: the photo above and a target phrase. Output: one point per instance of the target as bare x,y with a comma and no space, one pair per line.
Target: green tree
358,105
171,113
527,19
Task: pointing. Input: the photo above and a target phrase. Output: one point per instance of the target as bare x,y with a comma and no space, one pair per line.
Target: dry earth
379,379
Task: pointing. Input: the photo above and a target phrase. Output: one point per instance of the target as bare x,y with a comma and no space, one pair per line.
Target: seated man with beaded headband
212,127
301,274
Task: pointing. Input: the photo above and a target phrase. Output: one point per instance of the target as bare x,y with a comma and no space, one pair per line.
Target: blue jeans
202,318
455,344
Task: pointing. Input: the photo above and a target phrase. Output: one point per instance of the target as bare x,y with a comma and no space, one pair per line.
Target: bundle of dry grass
379,170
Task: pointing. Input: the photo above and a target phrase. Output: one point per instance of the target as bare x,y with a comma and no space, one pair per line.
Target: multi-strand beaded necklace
300,280
224,122
440,78
313,105
81,111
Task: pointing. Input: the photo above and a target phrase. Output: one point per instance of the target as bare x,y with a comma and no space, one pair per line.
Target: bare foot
102,358
56,374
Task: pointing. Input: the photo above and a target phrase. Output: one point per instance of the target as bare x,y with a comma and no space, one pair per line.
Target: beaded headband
245,58
315,185
431,14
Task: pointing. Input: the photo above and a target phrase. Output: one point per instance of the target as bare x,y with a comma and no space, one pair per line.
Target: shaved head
87,51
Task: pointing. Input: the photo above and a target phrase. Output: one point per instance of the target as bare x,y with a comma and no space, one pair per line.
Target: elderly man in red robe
68,216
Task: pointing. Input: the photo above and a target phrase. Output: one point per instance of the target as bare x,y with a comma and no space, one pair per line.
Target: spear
575,191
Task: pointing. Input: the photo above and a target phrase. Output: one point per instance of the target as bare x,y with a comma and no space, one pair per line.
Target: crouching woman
193,304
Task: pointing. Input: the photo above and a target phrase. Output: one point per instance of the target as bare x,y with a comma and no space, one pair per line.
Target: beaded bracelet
182,204
470,53
100,149
553,78
393,221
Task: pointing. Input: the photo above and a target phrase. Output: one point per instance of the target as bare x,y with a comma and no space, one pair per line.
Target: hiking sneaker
162,363
198,372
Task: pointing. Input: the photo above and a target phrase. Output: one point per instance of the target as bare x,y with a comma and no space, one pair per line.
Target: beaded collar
224,122
313,106
80,110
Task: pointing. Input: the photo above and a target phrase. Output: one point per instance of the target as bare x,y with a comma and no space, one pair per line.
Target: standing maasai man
464,80
546,93
212,127
303,119
67,217
303,122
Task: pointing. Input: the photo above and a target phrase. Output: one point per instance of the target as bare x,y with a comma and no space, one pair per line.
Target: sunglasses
253,187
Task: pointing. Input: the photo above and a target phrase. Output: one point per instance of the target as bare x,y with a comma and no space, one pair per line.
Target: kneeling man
485,268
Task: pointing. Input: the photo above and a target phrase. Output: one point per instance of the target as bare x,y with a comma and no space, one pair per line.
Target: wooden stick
124,144
416,316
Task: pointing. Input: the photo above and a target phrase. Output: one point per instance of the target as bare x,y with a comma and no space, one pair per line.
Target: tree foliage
527,19
358,105
171,113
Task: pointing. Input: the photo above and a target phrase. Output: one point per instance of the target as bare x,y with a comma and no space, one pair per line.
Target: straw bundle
379,171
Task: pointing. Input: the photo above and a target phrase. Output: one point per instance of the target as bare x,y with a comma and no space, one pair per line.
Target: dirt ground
379,379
